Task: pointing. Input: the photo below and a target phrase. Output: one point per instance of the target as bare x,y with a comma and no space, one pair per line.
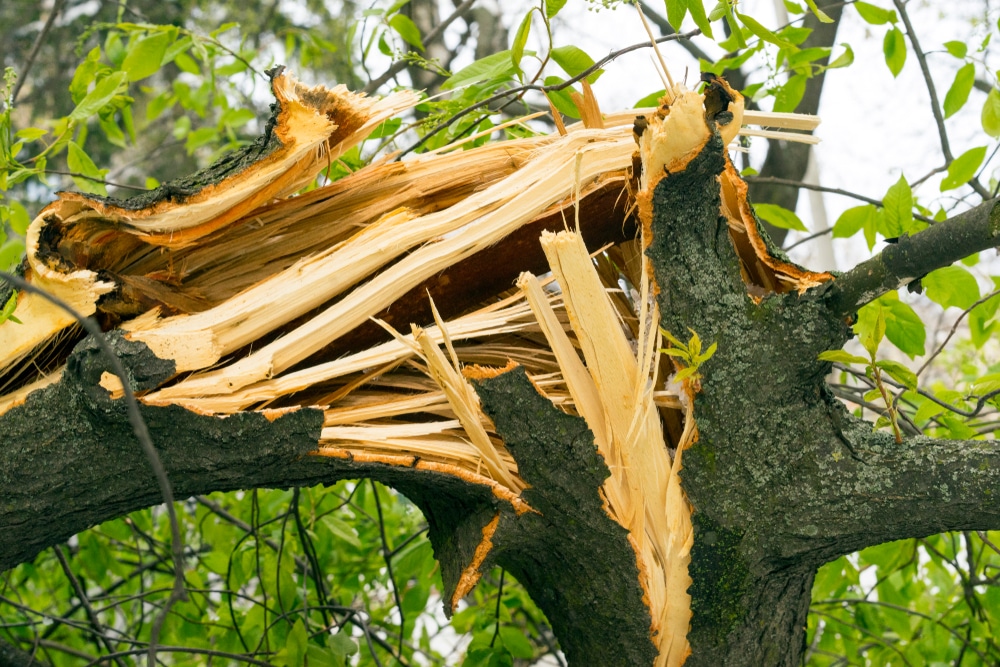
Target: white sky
874,126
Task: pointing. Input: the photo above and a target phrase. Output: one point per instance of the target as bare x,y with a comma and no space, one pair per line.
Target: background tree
238,551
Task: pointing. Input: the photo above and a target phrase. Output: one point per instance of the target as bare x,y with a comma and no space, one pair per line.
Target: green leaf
987,384
386,128
18,218
903,327
899,372
342,644
845,59
552,7
875,15
673,339
7,313
407,29
762,32
894,47
31,133
951,286
870,327
990,117
779,217
853,220
957,49
296,643
520,39
927,410
490,67
981,322
702,358
80,163
820,14
697,9
958,94
144,56
515,642
898,207
187,64
10,254
694,345
841,357
963,168
96,99
651,100
793,7
85,74
685,373
575,61
560,98
721,9
788,96
676,11
341,530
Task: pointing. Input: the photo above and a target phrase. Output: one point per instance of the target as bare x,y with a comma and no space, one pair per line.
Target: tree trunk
781,478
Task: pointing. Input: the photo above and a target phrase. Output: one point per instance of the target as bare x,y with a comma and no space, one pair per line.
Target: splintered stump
399,324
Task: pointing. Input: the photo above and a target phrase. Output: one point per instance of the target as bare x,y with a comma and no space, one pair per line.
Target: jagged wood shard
253,300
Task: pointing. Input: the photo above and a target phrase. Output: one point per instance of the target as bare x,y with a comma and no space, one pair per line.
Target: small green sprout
689,354
8,310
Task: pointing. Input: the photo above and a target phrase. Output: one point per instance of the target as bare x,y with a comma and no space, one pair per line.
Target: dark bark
69,461
909,258
782,478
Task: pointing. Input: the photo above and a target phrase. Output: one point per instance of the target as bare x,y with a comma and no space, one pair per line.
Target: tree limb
912,257
932,92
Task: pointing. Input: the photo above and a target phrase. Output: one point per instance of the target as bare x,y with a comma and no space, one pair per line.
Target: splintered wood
268,300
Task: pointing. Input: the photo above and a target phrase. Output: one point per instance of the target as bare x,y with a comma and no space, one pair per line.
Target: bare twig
954,328
430,38
935,106
544,89
774,180
146,442
30,60
387,556
81,594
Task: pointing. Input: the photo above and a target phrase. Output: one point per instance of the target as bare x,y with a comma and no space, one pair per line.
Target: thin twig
544,89
905,610
30,61
431,38
73,174
387,557
496,629
145,441
822,188
806,239
81,594
313,559
954,328
935,106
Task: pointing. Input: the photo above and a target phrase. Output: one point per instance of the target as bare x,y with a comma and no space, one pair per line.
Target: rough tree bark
781,479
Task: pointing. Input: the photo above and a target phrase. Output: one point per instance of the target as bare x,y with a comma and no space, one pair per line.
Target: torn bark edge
413,461
572,551
677,133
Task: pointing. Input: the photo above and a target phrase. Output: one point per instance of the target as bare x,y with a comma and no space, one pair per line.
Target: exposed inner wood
269,301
